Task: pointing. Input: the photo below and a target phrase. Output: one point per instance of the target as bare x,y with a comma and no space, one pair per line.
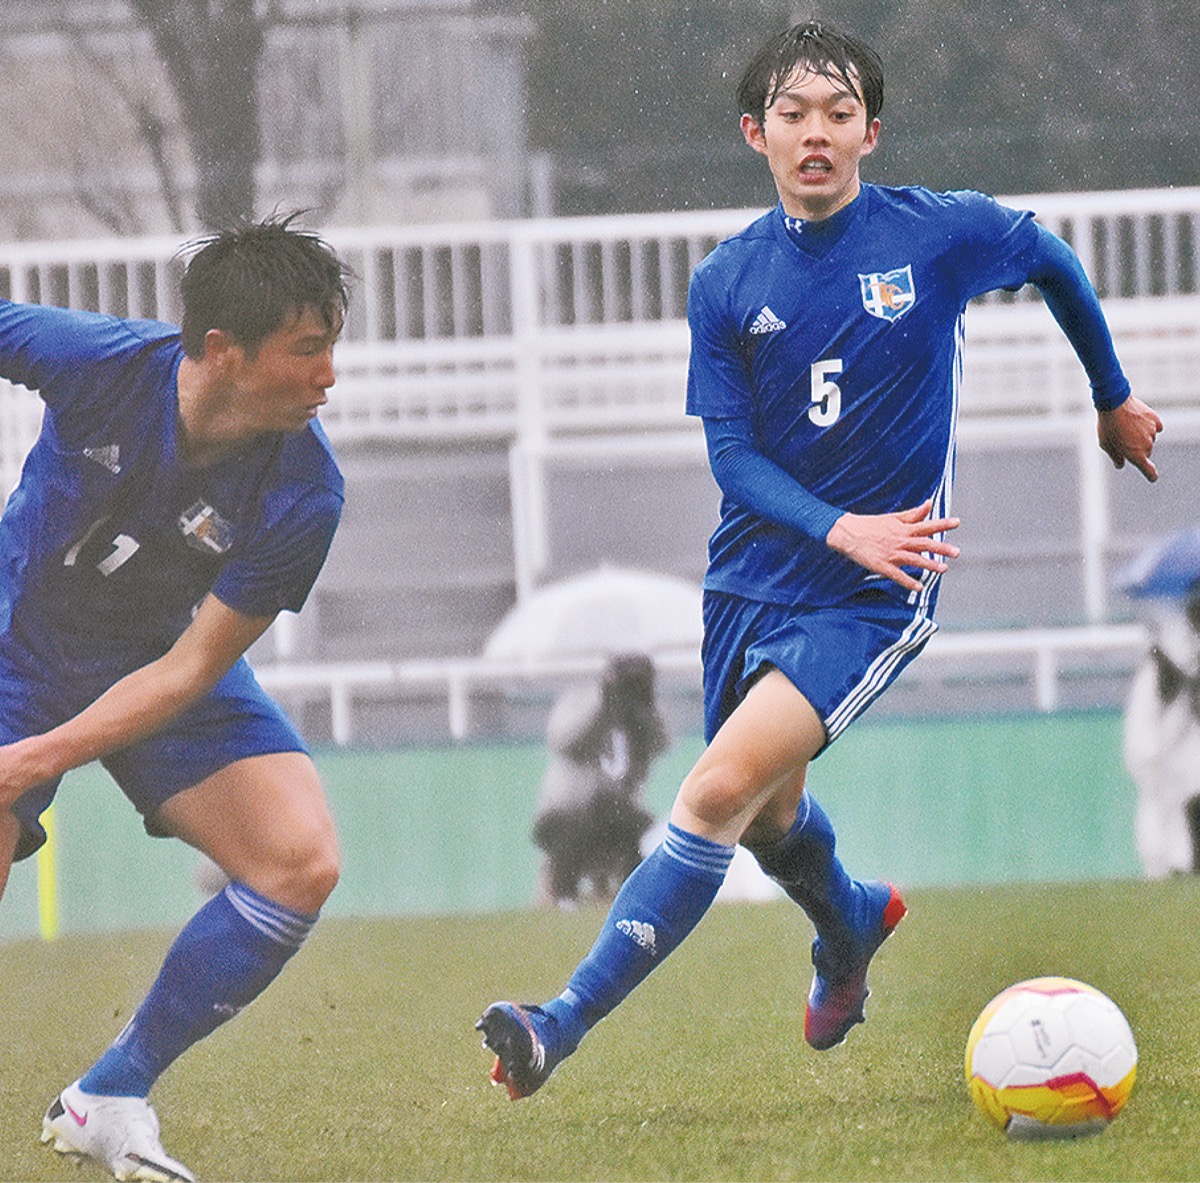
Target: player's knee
304,874
718,793
321,871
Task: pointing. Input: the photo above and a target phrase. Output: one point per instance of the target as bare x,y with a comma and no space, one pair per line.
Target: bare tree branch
212,50
152,128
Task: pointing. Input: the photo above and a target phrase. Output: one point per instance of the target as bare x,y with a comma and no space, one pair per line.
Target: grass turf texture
361,1062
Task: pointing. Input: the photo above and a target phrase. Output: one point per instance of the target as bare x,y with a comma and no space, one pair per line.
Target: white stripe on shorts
878,675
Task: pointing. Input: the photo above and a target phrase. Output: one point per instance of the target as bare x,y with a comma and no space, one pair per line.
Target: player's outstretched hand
886,543
1127,432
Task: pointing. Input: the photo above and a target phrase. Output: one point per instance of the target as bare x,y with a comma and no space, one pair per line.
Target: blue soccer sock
226,955
658,905
804,864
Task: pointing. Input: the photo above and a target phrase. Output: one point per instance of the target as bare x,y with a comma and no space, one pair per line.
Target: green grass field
361,1063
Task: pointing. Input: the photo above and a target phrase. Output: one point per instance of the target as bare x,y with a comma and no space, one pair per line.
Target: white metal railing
1045,653
1048,649
490,279
457,678
1132,242
553,325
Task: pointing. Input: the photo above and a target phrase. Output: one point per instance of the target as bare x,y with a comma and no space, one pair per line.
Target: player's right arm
884,544
139,704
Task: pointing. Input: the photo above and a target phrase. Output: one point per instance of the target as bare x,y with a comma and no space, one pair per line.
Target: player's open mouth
816,165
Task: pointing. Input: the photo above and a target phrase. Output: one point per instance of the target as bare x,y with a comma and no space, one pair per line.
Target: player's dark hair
817,46
250,280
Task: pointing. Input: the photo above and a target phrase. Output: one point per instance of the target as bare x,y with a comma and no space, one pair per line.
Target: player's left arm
1126,426
139,704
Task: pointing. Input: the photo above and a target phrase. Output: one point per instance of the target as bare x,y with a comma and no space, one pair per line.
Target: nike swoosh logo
80,1121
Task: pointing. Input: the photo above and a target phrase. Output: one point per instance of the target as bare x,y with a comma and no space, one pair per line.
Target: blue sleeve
277,566
746,476
69,357
718,381
1000,247
40,346
990,245
1056,272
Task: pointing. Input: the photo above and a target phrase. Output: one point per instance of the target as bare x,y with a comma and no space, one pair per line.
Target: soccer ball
1051,1058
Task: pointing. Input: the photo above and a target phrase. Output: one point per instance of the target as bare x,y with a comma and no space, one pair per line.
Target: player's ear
872,137
754,134
218,346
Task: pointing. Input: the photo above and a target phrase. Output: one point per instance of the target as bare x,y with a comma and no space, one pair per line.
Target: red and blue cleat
839,989
521,1035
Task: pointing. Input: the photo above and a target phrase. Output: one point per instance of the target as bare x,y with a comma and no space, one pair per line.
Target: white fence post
1094,520
526,462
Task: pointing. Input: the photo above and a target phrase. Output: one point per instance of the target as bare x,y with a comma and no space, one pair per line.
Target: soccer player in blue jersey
180,494
825,365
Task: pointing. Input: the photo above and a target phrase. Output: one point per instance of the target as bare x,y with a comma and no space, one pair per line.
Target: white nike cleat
120,1133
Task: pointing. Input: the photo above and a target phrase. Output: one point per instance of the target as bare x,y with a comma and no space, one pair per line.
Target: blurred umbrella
1167,569
610,610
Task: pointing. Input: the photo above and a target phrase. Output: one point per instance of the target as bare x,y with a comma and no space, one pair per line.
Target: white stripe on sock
273,920
698,853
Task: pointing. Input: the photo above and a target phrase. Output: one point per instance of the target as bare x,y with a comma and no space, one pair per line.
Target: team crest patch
888,294
205,529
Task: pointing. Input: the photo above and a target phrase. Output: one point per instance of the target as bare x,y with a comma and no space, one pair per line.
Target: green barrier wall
436,830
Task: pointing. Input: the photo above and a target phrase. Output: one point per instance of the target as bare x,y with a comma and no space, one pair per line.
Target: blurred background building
144,116
160,116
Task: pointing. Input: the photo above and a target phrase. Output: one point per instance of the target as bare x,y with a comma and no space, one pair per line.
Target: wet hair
817,46
250,280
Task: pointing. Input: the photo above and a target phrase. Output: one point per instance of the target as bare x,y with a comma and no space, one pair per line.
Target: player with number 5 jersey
837,344
179,496
825,365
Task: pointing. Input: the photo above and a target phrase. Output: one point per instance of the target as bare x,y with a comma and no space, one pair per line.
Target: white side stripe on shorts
881,671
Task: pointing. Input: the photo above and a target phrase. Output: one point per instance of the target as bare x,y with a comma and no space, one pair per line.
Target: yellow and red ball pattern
1051,1057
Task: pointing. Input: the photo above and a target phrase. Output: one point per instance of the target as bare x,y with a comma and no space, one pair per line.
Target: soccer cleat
120,1133
519,1034
839,990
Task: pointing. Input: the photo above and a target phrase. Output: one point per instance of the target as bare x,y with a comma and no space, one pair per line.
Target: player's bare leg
265,822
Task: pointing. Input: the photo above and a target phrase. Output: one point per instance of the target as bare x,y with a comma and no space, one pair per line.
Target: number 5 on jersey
826,394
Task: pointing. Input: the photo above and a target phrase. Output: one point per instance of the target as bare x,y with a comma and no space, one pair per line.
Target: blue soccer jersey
840,341
108,542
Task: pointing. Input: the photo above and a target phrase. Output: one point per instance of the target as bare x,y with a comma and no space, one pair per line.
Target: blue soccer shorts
235,720
840,657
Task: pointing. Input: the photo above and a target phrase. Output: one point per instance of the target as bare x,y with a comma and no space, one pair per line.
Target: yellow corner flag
47,880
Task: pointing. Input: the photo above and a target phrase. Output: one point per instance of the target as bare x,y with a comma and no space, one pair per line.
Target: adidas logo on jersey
767,322
108,456
640,933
